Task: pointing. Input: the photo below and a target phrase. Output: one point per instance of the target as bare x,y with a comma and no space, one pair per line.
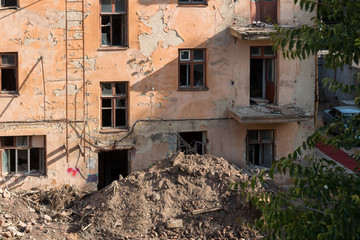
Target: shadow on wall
19,9
197,75
22,85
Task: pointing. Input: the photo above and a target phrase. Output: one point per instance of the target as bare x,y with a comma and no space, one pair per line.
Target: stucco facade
64,106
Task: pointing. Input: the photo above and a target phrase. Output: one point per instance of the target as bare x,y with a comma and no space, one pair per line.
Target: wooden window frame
16,67
113,13
192,2
113,108
262,52
191,62
260,142
28,148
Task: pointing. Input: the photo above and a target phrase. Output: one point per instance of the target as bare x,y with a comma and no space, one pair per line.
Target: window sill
194,89
113,48
34,173
113,130
258,167
192,5
10,8
9,95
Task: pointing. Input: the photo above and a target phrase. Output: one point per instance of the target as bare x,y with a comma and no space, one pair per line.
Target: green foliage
335,28
324,201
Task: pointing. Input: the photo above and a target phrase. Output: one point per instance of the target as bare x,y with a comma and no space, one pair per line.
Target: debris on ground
183,197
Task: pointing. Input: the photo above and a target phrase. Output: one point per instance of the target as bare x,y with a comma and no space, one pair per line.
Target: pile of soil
183,197
191,188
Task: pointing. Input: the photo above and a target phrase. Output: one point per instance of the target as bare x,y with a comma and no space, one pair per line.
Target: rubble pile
183,197
38,213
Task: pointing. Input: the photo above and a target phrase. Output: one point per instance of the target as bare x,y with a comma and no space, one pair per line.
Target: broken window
263,10
114,105
192,142
263,74
8,3
113,22
22,154
260,147
192,2
192,69
8,72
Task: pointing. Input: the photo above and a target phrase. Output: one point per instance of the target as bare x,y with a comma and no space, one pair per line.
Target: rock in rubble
174,223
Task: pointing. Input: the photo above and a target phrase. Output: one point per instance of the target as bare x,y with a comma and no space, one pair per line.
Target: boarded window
114,105
8,72
113,22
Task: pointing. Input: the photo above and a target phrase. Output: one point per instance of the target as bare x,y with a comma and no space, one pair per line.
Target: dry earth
183,197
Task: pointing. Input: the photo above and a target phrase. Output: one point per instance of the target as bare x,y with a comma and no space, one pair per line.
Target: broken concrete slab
269,114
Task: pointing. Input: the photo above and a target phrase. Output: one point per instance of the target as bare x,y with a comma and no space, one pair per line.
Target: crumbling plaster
157,29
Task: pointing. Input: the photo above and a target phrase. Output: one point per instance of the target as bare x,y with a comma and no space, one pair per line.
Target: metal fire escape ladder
75,67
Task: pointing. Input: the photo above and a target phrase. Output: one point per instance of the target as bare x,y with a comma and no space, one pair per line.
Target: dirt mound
183,197
38,213
178,198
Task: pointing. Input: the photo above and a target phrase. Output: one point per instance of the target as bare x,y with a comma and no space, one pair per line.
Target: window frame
113,98
260,142
191,2
16,67
263,56
28,147
192,62
126,43
13,6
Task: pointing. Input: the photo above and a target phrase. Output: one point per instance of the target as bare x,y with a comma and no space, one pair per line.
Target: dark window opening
192,69
8,3
8,72
260,147
114,105
113,22
7,142
112,164
262,74
192,142
22,154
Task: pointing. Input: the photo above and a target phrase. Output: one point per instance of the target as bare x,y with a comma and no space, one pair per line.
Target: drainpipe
316,88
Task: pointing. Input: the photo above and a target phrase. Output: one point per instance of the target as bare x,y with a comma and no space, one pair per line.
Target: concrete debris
174,223
267,113
261,24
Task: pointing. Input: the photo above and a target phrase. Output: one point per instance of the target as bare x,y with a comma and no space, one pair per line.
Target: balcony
255,114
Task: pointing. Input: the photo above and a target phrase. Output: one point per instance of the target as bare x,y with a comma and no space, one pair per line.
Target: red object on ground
338,155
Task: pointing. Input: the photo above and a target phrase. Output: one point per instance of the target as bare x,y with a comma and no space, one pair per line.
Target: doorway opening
264,10
262,74
192,142
112,164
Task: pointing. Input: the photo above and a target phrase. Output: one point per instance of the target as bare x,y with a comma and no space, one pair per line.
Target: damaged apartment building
94,89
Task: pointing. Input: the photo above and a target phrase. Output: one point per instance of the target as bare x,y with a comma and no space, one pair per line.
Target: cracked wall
149,64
